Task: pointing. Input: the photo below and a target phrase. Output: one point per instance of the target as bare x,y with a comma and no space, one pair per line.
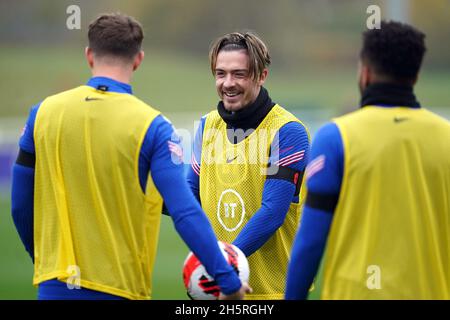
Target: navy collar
249,117
108,84
389,95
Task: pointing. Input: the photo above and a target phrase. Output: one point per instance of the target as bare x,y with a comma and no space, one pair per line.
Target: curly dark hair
396,50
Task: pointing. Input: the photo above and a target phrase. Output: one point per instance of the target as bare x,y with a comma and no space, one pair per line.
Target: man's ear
263,76
138,60
365,75
89,56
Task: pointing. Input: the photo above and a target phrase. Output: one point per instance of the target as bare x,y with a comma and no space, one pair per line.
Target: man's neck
388,94
247,118
117,74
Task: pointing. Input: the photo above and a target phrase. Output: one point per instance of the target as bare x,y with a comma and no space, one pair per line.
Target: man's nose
229,81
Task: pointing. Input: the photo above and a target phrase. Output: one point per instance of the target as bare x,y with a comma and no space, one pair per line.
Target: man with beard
248,162
94,166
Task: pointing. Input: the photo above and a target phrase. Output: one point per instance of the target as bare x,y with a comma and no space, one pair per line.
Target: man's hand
238,295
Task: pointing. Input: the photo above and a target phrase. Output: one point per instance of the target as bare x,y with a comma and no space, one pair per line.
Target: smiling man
94,166
248,163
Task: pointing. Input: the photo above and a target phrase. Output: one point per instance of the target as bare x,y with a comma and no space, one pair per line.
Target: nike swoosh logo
91,99
399,119
230,160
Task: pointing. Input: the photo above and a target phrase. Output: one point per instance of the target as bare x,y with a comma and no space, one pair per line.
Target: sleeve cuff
228,282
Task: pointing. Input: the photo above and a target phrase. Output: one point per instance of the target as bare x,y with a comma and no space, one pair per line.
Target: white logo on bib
230,210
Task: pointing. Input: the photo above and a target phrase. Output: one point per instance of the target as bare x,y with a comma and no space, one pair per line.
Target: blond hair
259,58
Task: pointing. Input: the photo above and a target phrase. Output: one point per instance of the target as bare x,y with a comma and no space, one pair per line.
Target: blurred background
314,47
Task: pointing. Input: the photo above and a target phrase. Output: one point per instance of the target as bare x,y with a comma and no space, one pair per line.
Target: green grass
167,275
16,269
167,83
173,82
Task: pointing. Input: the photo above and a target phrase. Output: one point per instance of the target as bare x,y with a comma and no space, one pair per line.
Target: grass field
174,83
16,269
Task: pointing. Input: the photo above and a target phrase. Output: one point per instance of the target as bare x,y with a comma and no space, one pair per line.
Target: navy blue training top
291,150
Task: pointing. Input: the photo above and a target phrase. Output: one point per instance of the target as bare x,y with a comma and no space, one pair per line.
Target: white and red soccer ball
200,285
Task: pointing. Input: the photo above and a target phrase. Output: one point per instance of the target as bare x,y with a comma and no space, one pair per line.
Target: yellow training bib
390,237
91,219
232,178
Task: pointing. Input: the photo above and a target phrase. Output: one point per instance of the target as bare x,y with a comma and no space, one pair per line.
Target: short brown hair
259,57
115,34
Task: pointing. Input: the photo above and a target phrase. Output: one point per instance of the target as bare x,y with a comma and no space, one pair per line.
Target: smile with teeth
231,94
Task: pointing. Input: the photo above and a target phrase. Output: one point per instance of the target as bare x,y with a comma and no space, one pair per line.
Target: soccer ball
200,285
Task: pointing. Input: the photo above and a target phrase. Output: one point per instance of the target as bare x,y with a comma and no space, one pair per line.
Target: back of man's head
395,52
115,35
